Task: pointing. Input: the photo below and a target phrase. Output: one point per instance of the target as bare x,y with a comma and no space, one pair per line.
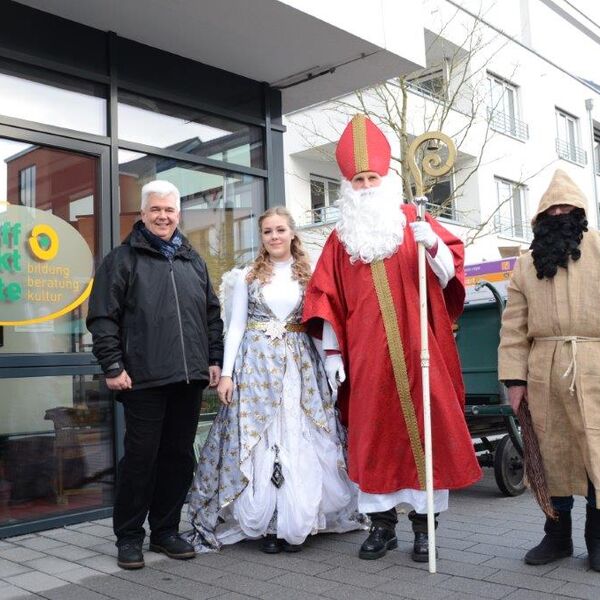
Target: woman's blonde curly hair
262,267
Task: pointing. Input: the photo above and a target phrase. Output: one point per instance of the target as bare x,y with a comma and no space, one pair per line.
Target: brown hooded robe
563,375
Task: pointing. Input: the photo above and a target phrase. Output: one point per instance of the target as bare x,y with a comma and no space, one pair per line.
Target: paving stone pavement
481,539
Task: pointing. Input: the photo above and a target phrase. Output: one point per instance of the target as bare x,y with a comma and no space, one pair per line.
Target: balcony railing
321,216
421,88
440,211
505,123
571,152
506,227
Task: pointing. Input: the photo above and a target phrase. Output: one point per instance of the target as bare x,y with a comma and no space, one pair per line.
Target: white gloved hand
424,234
334,368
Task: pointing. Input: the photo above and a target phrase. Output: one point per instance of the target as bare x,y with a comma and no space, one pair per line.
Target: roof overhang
312,50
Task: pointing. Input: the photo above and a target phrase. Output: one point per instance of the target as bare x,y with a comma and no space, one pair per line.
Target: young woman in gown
273,464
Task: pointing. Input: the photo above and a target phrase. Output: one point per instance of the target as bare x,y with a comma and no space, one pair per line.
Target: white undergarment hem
370,503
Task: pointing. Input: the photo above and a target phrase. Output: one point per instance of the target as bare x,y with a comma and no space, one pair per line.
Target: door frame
13,362
65,364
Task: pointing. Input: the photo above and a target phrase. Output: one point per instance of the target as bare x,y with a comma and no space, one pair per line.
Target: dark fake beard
555,239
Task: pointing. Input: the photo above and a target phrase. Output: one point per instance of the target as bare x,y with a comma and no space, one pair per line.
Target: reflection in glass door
64,184
56,447
56,416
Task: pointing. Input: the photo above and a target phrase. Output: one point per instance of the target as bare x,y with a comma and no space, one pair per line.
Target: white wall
561,34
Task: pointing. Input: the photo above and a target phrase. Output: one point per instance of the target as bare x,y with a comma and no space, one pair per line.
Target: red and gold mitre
363,147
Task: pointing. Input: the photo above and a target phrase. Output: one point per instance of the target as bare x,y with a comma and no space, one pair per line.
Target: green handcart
490,418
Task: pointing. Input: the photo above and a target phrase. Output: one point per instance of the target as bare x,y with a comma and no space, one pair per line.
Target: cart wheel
508,468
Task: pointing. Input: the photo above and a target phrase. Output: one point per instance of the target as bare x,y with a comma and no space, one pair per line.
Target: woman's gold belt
275,328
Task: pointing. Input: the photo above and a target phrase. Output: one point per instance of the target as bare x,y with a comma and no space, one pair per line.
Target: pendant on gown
277,477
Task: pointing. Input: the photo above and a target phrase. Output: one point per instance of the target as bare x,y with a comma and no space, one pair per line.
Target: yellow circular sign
46,266
34,242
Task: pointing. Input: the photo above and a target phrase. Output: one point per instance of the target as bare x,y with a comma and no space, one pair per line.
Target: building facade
96,99
518,104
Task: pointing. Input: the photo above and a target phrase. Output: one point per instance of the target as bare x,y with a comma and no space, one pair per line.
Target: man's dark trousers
156,470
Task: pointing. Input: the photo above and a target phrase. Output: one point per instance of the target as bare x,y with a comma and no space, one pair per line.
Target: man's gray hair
161,188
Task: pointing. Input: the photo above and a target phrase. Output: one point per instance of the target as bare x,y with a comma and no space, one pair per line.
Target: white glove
334,368
424,234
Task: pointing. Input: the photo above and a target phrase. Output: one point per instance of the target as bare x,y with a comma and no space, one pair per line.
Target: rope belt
272,325
573,340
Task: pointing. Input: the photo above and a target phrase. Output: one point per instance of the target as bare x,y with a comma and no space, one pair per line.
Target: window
503,108
27,186
52,99
57,450
439,198
511,217
567,141
430,83
184,129
323,194
219,216
218,208
68,189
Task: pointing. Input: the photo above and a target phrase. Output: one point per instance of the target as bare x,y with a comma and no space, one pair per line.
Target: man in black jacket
157,333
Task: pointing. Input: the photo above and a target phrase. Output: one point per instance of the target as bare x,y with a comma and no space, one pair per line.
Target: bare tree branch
451,94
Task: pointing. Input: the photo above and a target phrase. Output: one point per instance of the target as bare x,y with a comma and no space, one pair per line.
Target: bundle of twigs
533,464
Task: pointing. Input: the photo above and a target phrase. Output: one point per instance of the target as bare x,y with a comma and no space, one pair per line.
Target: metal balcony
571,152
507,227
321,216
441,211
422,89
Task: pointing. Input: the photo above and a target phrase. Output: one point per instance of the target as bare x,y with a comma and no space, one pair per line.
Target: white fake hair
161,188
371,223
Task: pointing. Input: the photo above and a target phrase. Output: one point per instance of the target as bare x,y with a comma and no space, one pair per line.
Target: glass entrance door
56,416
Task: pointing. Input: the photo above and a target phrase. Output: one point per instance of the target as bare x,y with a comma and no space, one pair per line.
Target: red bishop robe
380,459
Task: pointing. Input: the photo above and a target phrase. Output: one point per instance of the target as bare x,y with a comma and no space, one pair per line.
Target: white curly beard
371,223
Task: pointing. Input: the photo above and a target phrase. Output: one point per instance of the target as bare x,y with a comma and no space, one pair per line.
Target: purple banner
486,268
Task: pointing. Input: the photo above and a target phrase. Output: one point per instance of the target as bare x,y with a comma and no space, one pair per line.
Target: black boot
130,555
592,536
173,546
420,551
380,540
271,544
557,542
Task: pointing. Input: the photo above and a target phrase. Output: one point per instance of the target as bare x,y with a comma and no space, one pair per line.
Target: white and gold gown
281,411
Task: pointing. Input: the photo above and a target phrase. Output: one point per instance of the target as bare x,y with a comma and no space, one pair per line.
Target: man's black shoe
420,551
380,540
271,544
174,547
130,555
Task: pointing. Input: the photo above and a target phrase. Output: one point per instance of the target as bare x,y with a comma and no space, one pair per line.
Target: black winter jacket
158,320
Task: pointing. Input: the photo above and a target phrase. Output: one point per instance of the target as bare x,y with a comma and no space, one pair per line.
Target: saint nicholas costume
373,310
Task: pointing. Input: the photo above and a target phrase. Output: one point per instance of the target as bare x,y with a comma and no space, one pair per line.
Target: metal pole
589,105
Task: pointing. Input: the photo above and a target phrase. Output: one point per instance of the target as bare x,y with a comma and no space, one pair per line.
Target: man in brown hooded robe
549,357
